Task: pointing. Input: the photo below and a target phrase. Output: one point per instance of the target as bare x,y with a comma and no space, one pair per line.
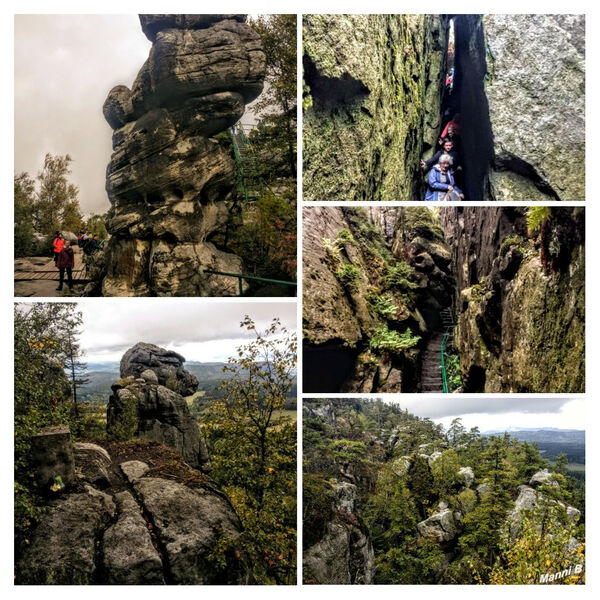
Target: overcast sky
207,331
65,65
491,414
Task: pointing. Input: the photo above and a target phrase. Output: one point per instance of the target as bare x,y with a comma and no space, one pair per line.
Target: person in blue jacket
440,183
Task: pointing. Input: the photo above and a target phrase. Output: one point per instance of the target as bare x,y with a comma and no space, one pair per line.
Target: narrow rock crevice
155,535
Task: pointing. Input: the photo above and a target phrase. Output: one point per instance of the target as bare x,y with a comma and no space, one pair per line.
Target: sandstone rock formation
440,527
365,289
160,366
535,88
141,529
527,500
543,477
374,93
345,554
467,475
374,102
144,408
167,180
520,299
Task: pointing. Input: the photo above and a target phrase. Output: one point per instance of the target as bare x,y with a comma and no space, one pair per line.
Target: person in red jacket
57,245
65,262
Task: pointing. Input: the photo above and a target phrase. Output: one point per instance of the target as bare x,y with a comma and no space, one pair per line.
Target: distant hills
551,441
102,375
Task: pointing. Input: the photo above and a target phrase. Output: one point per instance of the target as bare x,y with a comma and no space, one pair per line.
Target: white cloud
499,413
203,330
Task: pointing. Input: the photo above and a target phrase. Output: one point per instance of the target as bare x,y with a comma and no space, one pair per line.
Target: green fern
536,217
393,341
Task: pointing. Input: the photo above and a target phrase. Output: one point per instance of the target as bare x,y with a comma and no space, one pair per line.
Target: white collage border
592,260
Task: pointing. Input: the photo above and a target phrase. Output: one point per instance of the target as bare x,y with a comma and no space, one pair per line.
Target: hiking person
95,243
440,183
57,245
65,262
454,123
448,148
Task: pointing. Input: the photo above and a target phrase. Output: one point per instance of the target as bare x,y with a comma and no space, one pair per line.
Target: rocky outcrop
527,500
364,289
440,527
189,523
62,548
92,464
168,180
143,408
159,366
467,476
520,299
345,554
128,554
140,529
543,477
373,91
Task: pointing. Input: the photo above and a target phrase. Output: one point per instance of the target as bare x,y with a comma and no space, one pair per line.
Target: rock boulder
166,365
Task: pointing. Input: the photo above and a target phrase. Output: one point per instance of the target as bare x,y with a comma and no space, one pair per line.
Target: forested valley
392,498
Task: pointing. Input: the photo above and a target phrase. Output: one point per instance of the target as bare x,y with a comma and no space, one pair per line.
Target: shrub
349,275
317,508
345,236
477,292
398,275
511,240
453,371
125,426
392,340
332,251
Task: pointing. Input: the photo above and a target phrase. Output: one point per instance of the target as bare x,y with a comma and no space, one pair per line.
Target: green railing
443,360
242,276
239,164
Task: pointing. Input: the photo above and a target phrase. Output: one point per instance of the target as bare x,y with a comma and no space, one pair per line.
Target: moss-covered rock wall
372,103
520,298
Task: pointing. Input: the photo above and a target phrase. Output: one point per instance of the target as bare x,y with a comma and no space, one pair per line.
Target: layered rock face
374,284
374,90
520,299
140,529
167,180
143,406
521,83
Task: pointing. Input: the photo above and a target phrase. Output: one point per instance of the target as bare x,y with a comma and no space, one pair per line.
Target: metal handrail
242,276
443,361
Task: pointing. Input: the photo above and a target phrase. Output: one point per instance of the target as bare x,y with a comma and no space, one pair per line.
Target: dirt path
45,286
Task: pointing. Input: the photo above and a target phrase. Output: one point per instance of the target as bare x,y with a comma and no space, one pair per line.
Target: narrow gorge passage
464,107
382,287
377,101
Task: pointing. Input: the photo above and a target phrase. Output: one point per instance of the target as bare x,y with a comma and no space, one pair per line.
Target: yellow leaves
270,469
